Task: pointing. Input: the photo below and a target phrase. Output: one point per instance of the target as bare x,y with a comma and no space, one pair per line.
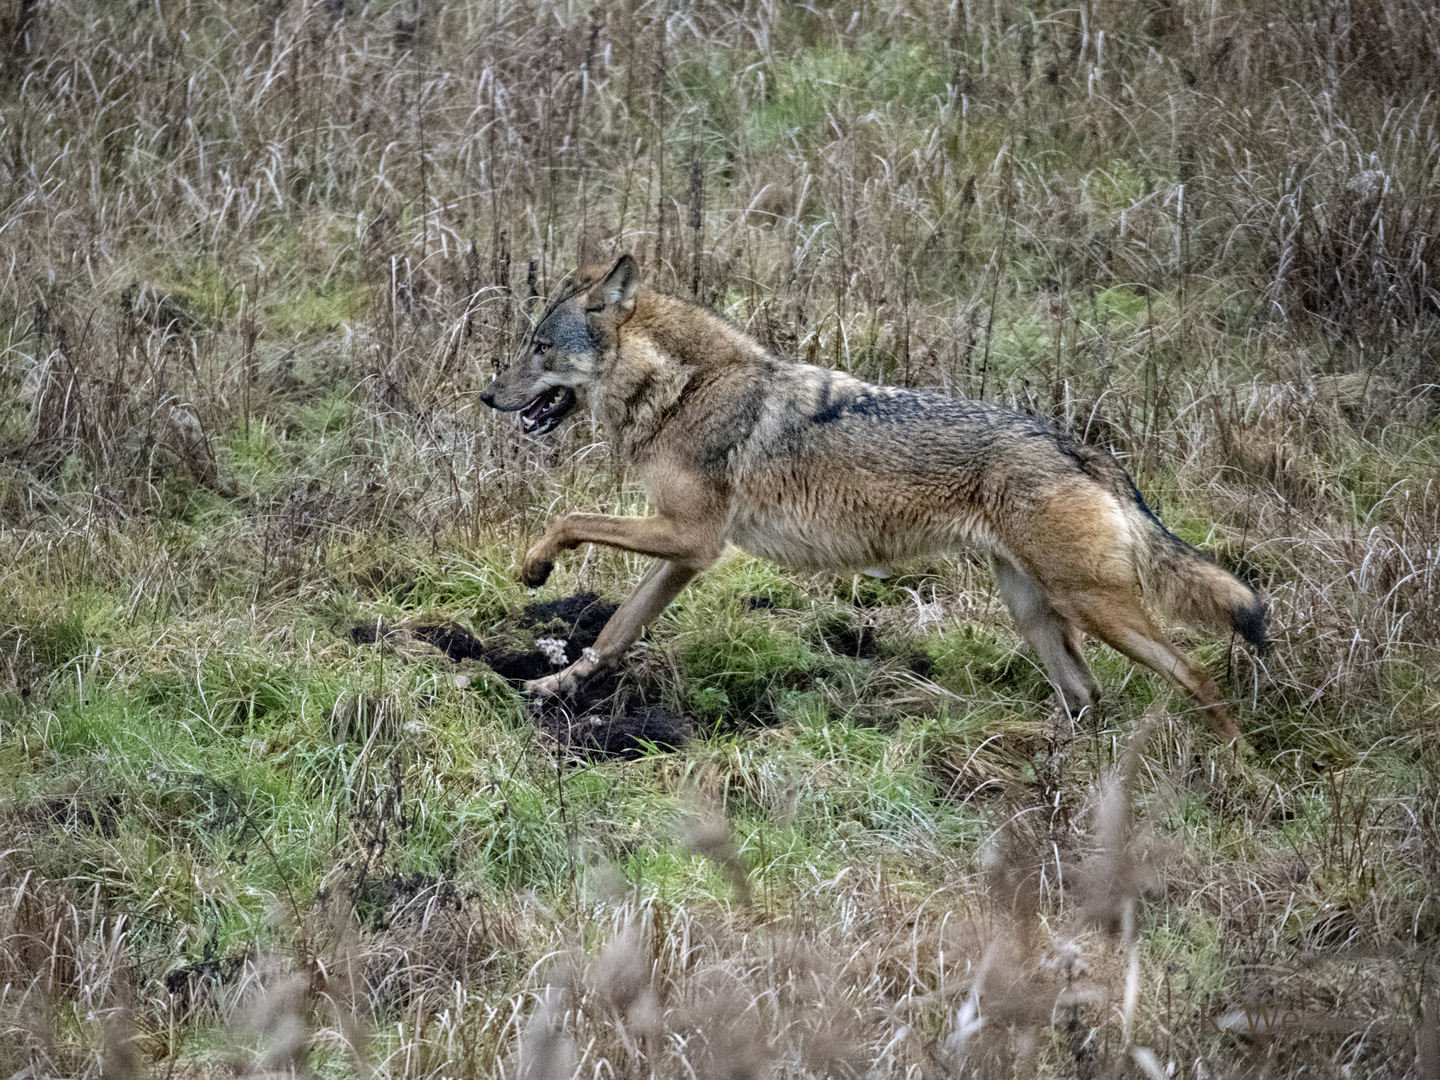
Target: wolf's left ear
616,291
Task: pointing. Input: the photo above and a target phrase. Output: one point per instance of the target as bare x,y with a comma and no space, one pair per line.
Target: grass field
270,801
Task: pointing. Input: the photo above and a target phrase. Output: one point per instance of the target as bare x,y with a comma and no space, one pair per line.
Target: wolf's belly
804,548
810,544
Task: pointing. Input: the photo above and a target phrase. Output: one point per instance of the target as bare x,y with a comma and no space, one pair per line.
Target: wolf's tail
1187,584
1190,586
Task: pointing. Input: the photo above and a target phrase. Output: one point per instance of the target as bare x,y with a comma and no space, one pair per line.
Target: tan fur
816,469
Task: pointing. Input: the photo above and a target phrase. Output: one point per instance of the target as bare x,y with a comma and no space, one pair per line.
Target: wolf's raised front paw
536,570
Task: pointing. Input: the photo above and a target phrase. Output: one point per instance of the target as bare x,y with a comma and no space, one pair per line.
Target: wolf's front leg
696,543
659,587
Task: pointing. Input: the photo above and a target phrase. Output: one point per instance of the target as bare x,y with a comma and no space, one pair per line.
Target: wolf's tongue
539,405
535,417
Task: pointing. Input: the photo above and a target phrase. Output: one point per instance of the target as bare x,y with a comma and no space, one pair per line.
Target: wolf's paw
551,686
536,570
567,682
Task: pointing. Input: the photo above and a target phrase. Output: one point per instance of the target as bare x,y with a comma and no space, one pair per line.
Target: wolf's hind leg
661,585
1127,628
1055,638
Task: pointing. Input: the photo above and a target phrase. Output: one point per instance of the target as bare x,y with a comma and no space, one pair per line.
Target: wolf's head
567,350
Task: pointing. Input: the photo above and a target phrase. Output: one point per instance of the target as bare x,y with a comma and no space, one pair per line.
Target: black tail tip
1249,623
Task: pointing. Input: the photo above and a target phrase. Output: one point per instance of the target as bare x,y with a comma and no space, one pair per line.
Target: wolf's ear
616,290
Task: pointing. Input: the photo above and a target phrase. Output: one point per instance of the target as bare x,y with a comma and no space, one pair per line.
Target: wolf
818,470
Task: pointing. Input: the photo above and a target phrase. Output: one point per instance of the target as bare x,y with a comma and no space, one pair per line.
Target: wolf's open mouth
546,410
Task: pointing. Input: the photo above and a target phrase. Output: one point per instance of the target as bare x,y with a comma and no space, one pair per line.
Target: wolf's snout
488,397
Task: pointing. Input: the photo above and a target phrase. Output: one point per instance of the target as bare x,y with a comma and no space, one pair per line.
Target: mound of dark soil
577,620
920,663
100,814
609,717
863,643
629,734
581,616
846,639
368,633
454,641
204,979
514,665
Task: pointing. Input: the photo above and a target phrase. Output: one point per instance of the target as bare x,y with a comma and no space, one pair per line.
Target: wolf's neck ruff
669,348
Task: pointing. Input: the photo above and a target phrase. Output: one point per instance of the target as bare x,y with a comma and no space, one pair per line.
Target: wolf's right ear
616,291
